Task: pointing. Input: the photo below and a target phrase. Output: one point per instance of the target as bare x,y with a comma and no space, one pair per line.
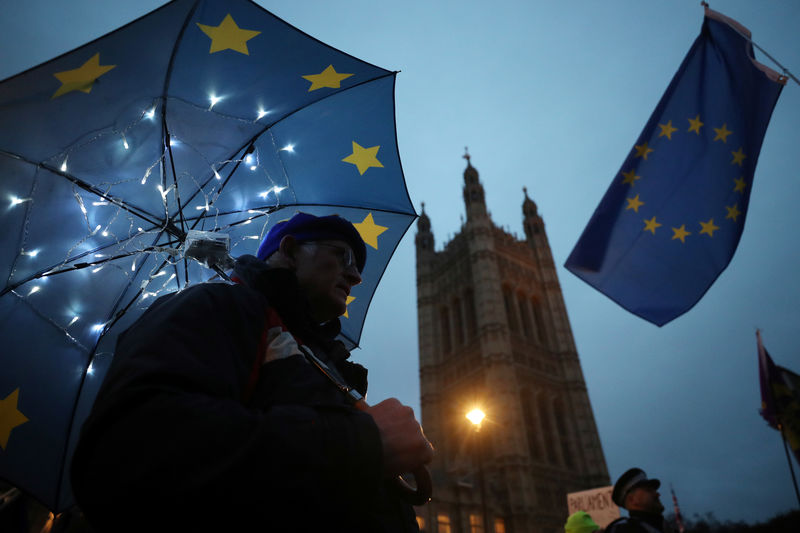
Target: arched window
444,317
472,323
525,316
531,420
547,429
539,320
511,312
458,322
563,434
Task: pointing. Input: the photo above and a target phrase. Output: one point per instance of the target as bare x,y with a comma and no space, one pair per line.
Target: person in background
639,495
580,522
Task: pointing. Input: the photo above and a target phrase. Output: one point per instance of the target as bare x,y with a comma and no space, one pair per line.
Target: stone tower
494,333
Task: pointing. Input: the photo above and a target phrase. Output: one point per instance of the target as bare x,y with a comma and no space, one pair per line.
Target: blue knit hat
305,227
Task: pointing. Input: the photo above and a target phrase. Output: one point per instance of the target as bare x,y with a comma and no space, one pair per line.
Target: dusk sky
551,96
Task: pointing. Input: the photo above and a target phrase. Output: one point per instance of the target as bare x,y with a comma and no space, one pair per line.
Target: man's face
644,498
322,270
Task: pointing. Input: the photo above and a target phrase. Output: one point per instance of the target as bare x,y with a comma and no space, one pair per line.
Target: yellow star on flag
680,233
738,157
722,133
327,78
651,225
695,124
740,184
228,36
630,177
667,130
363,158
369,230
10,417
81,78
349,299
708,227
733,212
634,203
643,150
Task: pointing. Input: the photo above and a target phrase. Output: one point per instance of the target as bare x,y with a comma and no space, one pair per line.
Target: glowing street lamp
476,416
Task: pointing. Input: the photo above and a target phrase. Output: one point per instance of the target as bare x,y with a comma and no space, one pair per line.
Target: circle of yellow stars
708,227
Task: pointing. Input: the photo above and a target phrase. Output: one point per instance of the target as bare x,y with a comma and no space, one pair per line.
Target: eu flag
672,218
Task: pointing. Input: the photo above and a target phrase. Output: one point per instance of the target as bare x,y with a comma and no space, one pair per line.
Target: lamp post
476,416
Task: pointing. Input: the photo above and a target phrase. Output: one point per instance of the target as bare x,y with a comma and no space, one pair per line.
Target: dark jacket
639,522
192,431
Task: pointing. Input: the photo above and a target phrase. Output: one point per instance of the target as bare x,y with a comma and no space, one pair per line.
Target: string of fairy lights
111,244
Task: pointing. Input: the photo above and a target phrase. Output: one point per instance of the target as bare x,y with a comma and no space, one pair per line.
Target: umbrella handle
422,476
420,495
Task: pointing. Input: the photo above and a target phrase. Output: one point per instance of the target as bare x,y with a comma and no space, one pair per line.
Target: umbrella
132,166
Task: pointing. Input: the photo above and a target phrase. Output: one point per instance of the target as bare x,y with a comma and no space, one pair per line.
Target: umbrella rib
350,206
165,128
251,142
92,353
131,208
79,266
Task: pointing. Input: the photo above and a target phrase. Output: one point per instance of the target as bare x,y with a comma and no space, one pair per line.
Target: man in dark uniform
212,419
639,495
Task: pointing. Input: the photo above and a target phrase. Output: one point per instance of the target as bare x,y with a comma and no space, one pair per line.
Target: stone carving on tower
494,333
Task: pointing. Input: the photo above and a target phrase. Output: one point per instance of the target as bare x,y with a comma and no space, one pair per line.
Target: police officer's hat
635,477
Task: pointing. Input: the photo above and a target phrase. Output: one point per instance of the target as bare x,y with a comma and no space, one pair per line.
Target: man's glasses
347,258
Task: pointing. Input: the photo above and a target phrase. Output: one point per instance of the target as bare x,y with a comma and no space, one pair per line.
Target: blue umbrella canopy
196,127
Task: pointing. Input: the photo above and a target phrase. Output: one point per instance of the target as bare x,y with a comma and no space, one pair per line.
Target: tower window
511,314
443,523
525,316
472,326
445,320
458,322
558,407
547,430
538,317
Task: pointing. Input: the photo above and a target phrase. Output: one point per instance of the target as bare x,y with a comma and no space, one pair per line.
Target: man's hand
405,448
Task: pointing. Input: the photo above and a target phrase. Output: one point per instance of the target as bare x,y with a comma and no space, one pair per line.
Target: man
639,495
211,418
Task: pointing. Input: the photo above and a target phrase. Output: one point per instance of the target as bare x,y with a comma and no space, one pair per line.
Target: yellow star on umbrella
363,158
349,299
651,225
228,36
667,130
369,230
81,78
695,124
634,203
680,233
733,211
327,78
708,227
10,417
740,184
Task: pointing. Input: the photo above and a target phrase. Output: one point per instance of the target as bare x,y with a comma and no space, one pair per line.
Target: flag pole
789,460
786,72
